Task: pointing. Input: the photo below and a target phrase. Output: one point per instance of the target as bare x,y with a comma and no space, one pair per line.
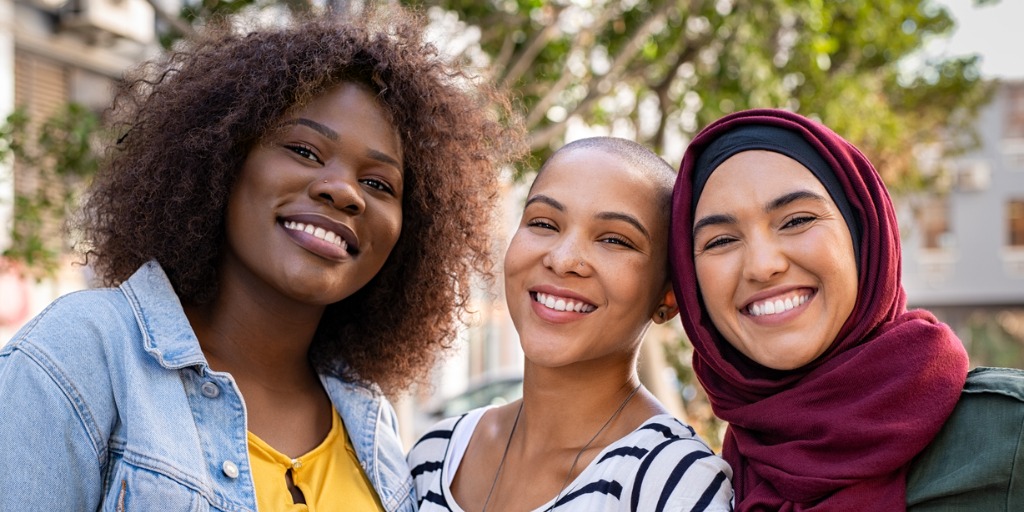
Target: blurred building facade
963,251
54,52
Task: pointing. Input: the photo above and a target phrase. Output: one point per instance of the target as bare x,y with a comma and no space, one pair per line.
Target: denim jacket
107,403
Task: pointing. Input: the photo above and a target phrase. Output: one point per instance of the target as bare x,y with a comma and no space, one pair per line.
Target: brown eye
540,224
379,185
719,241
798,221
618,240
304,152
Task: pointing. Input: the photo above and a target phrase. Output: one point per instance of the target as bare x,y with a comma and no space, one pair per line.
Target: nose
764,259
340,189
568,256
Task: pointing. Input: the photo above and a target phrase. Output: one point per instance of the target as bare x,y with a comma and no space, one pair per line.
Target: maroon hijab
840,432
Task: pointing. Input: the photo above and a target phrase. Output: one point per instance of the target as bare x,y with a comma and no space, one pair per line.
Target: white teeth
321,233
772,307
563,304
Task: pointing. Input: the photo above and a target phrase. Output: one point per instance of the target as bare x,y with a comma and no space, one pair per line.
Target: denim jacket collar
167,333
170,340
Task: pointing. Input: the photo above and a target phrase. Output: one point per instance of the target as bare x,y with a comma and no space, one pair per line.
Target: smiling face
317,206
774,259
587,267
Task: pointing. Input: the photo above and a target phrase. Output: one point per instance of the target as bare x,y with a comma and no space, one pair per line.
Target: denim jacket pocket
131,488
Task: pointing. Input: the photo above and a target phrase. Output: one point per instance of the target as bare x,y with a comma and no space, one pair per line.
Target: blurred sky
996,32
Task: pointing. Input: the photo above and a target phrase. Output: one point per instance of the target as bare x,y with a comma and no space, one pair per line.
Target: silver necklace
508,443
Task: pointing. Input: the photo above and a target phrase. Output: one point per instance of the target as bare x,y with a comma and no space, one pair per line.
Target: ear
667,309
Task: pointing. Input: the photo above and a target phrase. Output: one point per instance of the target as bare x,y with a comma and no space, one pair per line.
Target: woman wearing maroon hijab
786,264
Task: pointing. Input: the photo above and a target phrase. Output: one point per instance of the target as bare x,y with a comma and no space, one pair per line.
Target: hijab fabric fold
840,432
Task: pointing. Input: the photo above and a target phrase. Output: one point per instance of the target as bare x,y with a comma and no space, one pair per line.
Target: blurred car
490,391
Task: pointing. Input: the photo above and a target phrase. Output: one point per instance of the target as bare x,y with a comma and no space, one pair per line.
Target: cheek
649,283
515,256
836,264
845,279
238,213
396,227
716,279
388,225
713,278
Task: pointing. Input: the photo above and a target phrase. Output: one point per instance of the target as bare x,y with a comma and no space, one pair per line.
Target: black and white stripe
662,465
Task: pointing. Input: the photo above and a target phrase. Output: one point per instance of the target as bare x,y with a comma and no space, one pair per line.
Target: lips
778,305
324,229
558,303
328,236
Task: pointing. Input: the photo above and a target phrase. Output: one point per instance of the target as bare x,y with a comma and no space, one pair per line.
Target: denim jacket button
209,390
230,469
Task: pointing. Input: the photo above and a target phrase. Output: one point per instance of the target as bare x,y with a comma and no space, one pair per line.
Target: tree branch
178,24
524,59
600,85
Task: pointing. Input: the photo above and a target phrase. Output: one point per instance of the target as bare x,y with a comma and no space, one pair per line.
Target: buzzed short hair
635,154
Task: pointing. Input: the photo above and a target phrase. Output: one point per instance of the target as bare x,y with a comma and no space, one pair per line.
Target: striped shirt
662,465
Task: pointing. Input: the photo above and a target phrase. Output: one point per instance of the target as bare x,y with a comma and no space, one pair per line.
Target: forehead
755,177
601,181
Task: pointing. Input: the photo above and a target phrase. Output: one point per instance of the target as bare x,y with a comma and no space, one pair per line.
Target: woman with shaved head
585,275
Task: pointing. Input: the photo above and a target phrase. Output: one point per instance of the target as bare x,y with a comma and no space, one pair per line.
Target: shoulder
664,432
427,460
1008,382
75,326
59,366
672,466
991,407
674,446
972,459
84,320
430,448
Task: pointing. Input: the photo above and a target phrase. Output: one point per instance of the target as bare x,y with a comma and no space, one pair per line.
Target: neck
255,335
587,395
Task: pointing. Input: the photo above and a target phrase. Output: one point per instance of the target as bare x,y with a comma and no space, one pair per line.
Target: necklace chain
575,460
503,455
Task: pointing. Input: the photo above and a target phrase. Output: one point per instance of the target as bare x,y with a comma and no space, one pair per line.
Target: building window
933,218
1015,112
1015,223
41,89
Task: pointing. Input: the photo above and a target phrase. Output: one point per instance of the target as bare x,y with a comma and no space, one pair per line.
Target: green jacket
976,463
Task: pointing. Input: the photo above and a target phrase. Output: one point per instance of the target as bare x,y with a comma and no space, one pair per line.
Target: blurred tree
659,70
62,152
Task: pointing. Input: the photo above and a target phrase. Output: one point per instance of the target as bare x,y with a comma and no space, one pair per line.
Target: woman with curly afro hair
288,227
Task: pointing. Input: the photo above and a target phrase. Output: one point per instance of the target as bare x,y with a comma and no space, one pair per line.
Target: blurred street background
932,91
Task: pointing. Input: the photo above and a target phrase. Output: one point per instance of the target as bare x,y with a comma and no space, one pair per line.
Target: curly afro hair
189,119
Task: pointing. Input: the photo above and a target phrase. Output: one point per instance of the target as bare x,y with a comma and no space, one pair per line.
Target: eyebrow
321,129
712,220
326,131
791,197
619,216
771,206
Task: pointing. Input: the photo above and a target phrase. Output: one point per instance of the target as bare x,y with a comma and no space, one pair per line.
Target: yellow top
329,476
